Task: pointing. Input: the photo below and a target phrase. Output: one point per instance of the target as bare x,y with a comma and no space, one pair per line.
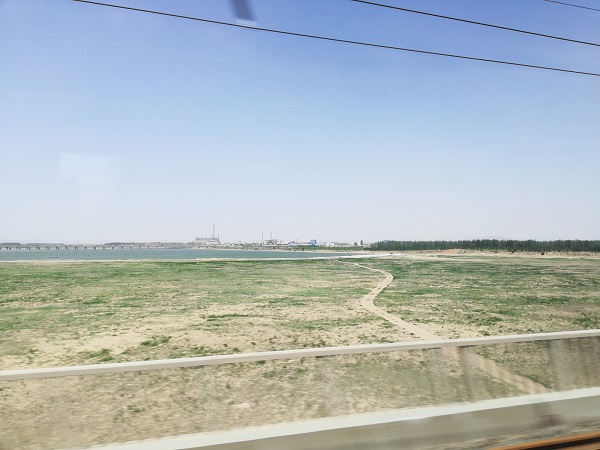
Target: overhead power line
458,19
574,6
345,41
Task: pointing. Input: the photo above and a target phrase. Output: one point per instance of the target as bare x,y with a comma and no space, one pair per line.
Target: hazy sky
117,125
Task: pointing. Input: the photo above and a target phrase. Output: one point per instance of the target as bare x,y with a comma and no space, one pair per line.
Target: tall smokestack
213,236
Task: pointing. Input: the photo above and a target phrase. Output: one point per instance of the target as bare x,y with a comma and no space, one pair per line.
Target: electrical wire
457,19
345,41
571,4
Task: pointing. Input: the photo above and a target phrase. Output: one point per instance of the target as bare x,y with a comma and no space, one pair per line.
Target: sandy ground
522,383
261,309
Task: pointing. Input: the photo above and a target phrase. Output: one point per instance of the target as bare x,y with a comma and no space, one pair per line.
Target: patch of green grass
155,341
213,317
101,356
588,322
506,312
94,301
505,294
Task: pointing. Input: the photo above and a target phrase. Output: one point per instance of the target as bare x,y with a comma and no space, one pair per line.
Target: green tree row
509,245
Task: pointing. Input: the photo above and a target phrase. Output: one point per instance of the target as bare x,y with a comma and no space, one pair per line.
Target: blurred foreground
518,383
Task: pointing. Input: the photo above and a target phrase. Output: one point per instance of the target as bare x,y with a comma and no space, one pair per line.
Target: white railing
96,369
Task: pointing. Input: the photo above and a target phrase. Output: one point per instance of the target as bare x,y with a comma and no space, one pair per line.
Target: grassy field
55,314
90,312
463,296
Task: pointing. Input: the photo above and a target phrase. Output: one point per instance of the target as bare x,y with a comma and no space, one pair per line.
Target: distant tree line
508,245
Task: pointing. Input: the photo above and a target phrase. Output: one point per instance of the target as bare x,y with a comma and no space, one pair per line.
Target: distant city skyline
261,241
117,125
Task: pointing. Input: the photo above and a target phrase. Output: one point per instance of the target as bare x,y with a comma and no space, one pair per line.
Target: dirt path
367,303
486,365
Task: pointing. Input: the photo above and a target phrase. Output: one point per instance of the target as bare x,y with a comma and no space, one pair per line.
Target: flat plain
487,294
91,312
65,313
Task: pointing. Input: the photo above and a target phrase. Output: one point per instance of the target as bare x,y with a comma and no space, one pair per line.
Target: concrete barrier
401,429
135,366
407,428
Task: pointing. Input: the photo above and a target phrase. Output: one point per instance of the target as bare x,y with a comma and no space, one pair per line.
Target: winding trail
367,303
522,383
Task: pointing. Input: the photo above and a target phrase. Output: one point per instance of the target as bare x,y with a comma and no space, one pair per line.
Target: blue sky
117,125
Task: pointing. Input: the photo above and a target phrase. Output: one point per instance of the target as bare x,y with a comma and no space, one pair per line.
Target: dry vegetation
90,312
464,296
94,312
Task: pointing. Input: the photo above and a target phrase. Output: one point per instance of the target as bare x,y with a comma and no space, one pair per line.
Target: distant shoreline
144,254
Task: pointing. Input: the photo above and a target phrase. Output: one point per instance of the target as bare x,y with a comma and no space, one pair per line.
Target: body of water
125,254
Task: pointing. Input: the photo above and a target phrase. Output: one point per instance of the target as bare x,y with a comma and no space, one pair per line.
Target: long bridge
85,247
